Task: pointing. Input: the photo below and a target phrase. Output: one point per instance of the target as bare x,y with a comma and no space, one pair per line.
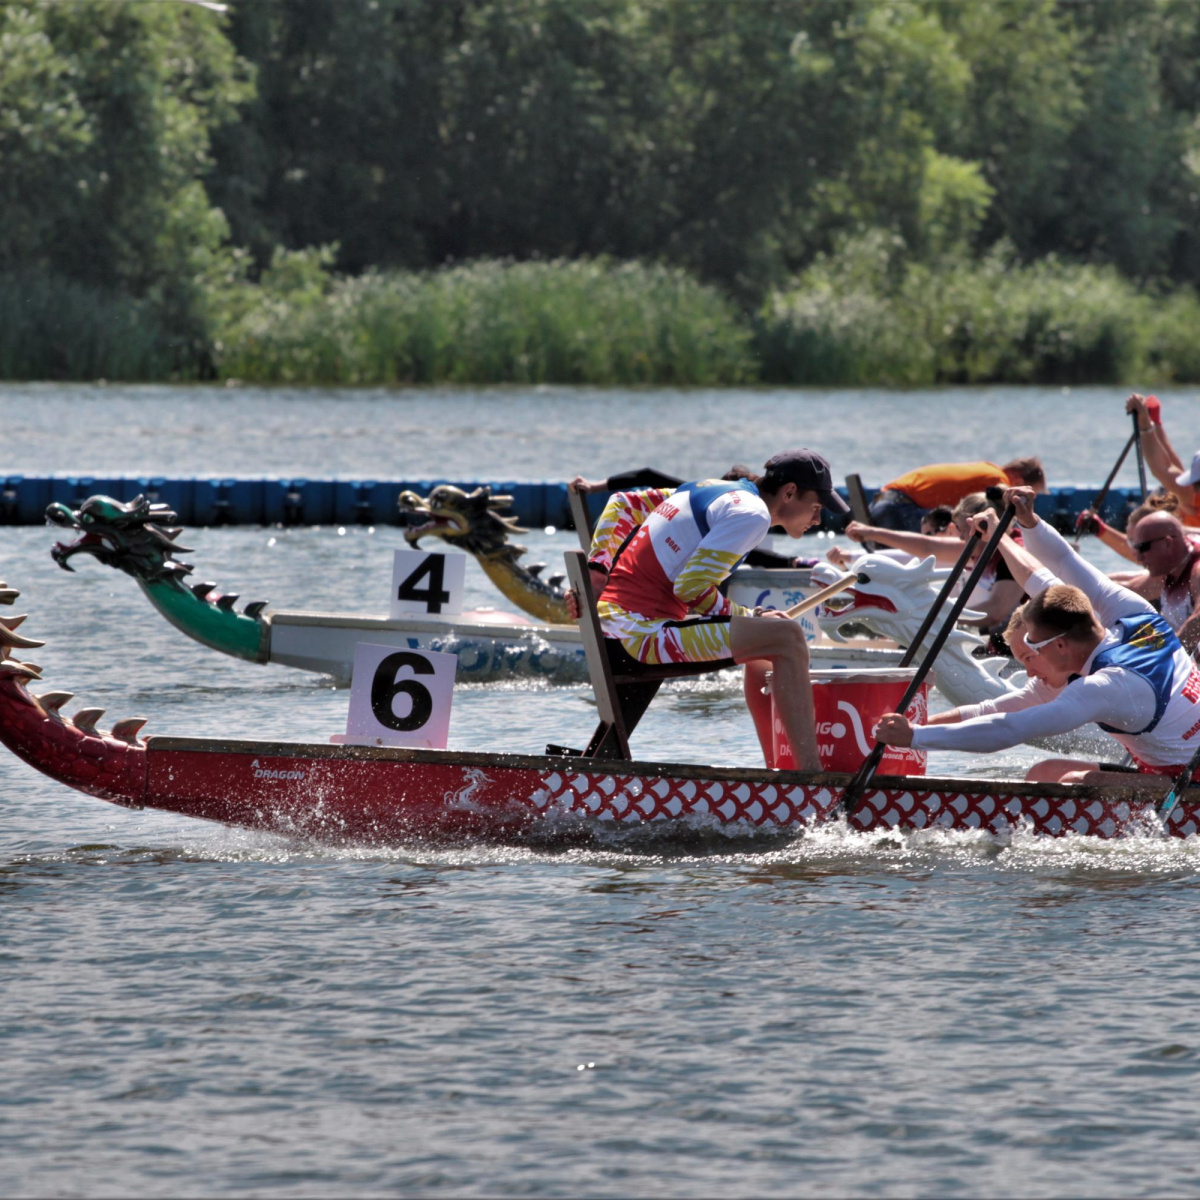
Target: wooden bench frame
581,517
621,698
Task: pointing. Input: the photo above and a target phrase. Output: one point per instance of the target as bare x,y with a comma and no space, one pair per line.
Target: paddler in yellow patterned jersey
658,563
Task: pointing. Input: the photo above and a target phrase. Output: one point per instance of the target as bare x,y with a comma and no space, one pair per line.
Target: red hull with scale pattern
378,796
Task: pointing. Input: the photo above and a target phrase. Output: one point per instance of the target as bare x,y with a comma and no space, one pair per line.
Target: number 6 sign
428,583
400,697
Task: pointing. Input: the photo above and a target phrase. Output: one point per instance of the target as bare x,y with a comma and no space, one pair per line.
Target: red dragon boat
381,795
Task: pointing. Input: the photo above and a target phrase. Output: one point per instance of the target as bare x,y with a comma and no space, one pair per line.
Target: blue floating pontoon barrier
304,501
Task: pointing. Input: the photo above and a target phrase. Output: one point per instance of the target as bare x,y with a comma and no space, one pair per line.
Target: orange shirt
948,483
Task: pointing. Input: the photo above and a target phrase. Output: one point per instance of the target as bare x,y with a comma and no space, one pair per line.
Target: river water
192,1010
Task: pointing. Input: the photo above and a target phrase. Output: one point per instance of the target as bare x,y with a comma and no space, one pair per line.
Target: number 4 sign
427,583
400,697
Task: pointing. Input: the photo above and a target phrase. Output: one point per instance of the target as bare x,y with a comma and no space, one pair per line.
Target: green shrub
866,315
595,322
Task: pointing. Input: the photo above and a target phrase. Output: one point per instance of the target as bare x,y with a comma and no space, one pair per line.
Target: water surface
192,1010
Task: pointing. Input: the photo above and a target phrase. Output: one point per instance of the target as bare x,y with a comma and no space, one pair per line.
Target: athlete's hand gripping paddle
811,602
855,788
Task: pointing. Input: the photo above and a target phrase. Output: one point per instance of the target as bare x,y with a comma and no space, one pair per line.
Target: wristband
1154,410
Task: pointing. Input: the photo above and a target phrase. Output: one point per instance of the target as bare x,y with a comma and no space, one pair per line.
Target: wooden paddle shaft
816,598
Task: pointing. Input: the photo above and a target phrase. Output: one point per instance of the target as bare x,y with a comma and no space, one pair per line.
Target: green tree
106,110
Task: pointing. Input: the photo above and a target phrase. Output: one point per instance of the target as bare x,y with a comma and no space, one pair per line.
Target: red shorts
1168,772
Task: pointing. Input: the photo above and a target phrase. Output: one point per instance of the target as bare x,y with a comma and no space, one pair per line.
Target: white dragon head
891,599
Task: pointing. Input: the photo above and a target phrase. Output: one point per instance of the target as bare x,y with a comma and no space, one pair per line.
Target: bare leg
780,640
1051,770
760,706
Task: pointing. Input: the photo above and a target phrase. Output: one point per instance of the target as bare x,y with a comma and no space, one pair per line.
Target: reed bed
53,328
863,317
593,322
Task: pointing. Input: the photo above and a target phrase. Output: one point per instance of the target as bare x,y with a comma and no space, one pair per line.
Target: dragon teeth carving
16,640
253,610
27,670
127,729
8,595
51,702
86,719
227,601
201,590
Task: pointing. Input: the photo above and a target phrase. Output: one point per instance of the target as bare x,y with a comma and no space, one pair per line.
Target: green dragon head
138,537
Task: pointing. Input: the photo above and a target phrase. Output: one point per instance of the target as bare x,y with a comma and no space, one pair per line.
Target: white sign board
427,583
400,697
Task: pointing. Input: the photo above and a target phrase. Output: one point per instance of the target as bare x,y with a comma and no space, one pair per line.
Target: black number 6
385,687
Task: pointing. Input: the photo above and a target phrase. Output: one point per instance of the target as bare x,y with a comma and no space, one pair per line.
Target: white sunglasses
1039,646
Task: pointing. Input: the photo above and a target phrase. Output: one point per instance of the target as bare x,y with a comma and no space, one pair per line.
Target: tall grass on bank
595,322
53,328
866,318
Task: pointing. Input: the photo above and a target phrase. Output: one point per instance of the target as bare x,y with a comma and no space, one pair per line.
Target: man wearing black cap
662,601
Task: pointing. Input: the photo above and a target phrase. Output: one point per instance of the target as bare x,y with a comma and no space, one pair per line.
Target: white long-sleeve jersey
1113,695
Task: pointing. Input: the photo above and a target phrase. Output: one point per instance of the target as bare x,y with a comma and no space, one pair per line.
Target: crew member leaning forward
1116,660
661,570
902,503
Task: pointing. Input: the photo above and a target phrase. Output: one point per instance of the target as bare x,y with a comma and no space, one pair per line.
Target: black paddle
855,788
1102,494
1169,801
1137,437
947,588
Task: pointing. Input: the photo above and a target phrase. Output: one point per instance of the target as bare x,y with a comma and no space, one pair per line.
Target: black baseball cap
809,471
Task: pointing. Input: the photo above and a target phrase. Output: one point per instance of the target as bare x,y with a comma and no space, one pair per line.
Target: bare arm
1150,426
1021,563
1160,455
1114,539
1002,599
945,550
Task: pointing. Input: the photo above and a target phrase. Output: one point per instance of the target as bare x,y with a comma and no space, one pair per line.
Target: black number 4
385,687
433,596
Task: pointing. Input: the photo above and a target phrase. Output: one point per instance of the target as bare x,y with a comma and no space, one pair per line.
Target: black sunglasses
1142,547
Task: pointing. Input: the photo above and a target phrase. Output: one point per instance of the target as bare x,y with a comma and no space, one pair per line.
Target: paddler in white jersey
661,598
1116,660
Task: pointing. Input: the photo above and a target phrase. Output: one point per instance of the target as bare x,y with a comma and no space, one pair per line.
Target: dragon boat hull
385,796
487,651
140,539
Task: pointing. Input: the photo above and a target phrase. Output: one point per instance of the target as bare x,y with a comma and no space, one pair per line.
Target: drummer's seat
624,687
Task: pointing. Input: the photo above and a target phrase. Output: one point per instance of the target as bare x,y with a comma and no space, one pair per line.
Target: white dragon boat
384,796
140,539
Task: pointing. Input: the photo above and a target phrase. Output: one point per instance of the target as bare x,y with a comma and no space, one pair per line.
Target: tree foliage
162,151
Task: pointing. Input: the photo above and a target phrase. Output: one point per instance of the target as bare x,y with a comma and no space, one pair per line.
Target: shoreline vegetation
607,192
852,319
